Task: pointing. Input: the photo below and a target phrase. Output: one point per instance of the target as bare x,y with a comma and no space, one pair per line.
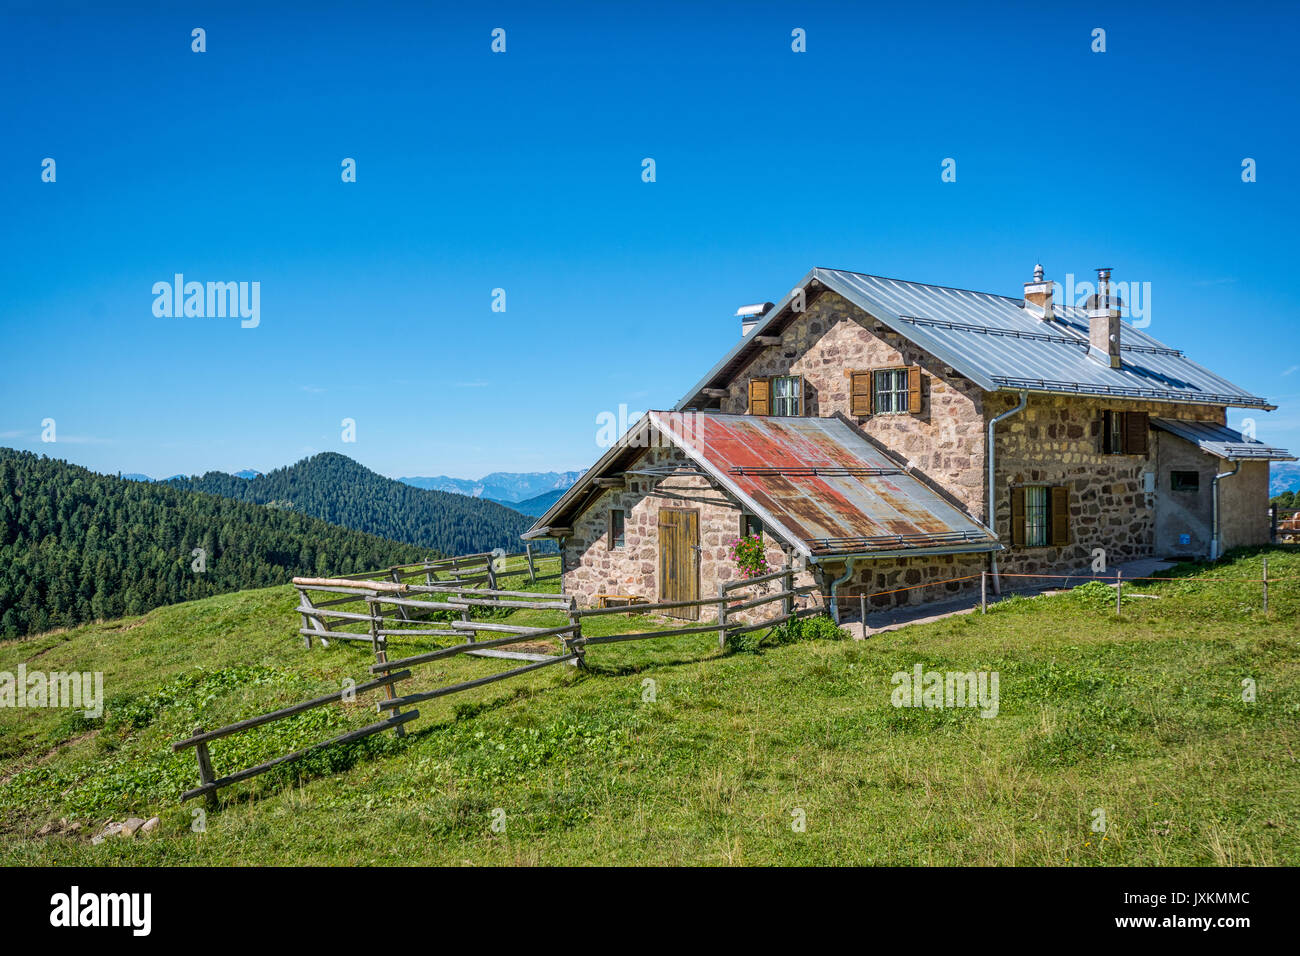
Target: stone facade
944,443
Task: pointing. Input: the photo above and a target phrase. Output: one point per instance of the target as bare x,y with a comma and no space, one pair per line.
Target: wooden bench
619,600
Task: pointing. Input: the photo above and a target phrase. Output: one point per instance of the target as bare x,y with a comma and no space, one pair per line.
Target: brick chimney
1038,296
1103,323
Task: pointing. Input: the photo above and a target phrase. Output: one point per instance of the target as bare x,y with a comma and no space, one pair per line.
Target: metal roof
1222,441
991,340
818,483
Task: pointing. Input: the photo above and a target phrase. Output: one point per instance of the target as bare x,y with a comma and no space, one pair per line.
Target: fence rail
209,784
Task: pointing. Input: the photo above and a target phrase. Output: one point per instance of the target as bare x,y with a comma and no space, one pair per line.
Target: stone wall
944,442
911,581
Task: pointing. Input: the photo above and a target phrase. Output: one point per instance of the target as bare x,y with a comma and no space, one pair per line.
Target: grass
672,751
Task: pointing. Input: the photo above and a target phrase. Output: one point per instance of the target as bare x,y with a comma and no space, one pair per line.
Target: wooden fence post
205,768
574,642
1265,584
984,592
722,616
1119,591
787,585
492,573
528,552
862,612
380,645
306,620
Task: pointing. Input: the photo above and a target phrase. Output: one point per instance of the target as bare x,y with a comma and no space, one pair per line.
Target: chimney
750,314
1038,296
1103,323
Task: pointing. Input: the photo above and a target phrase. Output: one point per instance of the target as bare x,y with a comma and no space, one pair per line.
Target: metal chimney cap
755,310
1038,272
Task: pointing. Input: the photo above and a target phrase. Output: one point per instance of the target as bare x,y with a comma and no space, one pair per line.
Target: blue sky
522,171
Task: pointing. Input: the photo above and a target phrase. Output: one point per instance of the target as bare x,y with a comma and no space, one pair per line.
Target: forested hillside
337,489
76,545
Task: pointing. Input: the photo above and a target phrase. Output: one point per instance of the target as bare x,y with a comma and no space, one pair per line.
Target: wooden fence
441,599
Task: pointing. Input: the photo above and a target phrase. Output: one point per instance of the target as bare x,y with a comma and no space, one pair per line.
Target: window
750,526
1124,433
1036,516
890,391
1040,516
1184,481
617,522
787,395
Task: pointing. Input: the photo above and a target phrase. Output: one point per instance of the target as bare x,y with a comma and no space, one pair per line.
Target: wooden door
679,559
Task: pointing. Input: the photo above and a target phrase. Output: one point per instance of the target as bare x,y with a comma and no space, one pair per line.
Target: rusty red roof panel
823,482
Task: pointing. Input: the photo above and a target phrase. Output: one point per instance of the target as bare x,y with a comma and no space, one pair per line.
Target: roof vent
749,315
1038,296
1103,322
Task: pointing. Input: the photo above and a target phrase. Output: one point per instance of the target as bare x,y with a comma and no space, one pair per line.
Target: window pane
785,395
1036,516
617,519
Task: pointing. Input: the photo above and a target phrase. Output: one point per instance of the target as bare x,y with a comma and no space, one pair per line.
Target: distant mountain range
337,489
507,487
1284,476
136,476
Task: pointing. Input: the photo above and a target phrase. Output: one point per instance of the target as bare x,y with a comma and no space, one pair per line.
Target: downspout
1215,543
848,571
990,517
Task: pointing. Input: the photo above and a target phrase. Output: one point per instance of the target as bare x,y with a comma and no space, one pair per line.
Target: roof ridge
928,285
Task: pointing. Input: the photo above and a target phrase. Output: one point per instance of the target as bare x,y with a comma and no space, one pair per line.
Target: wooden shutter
1060,516
1135,433
860,394
1017,517
1105,432
760,391
914,389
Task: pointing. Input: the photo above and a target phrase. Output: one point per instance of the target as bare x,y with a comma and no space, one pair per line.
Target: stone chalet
883,434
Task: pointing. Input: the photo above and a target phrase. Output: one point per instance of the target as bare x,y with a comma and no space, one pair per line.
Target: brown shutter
914,389
1017,517
860,394
1135,433
1060,516
1105,432
760,390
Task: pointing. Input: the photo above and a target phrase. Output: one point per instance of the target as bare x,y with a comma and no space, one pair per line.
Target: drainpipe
1215,543
991,515
835,604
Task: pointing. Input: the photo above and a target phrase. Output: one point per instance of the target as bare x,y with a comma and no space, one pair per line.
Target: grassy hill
337,489
1141,717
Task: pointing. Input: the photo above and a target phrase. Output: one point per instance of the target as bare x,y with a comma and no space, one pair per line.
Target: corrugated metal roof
1221,440
816,482
991,340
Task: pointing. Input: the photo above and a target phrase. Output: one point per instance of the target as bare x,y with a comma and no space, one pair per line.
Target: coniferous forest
78,546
